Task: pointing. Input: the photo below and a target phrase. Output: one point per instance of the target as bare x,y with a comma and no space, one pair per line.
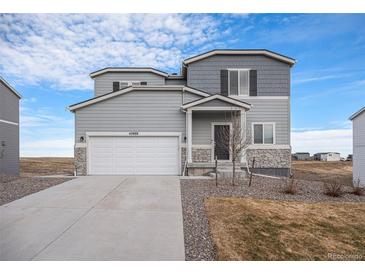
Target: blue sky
47,58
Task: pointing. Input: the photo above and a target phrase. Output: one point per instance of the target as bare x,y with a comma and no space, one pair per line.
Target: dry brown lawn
323,171
252,229
39,166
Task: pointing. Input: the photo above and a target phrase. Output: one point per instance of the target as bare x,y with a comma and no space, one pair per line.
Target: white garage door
137,155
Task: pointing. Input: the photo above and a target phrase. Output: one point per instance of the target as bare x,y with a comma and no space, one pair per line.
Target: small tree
234,140
291,186
357,189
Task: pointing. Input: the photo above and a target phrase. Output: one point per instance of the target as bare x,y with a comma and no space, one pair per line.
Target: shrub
333,188
357,190
291,186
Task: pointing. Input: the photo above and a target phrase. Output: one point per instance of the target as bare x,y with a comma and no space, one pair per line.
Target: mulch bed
198,242
13,188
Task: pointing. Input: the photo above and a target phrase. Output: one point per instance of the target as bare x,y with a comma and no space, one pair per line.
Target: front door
221,139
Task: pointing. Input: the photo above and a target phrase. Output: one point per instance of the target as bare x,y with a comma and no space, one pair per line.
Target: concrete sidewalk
96,218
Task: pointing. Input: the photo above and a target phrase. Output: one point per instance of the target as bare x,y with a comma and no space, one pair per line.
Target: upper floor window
263,133
239,82
122,84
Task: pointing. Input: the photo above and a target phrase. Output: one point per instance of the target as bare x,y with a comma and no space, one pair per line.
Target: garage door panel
139,155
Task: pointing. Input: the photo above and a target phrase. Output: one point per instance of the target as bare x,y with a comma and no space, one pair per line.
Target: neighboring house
9,129
358,157
302,156
327,156
145,121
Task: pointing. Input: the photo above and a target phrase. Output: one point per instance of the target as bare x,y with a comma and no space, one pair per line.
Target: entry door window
221,139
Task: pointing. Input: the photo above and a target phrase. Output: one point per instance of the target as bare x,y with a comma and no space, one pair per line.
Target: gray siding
178,82
9,133
9,104
216,103
104,82
189,97
263,110
202,125
9,153
359,149
273,76
150,111
271,110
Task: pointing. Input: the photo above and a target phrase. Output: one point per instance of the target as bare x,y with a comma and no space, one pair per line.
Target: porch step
228,173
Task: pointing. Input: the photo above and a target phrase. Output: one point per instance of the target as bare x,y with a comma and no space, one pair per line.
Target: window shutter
253,82
143,83
224,82
116,86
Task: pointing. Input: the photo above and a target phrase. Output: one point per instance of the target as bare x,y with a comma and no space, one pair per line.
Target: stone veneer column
80,161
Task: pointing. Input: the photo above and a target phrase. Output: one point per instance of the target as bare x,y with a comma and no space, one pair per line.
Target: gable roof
10,87
217,97
128,69
133,88
265,52
353,116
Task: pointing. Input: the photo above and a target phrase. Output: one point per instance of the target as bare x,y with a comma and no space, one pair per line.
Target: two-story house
146,121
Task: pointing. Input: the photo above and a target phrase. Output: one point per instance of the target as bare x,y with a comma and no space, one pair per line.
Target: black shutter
224,82
143,83
253,82
116,86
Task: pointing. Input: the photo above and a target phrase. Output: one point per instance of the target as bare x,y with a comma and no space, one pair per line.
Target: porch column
243,123
189,135
243,132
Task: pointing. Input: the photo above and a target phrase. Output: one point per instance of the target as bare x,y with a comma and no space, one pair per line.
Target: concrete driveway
96,218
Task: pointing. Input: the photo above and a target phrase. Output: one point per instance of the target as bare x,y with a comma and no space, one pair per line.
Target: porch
206,119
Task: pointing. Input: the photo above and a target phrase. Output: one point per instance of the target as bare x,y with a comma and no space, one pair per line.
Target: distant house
327,156
9,129
301,156
358,159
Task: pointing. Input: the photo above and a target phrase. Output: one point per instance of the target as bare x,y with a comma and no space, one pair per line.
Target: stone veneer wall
202,155
80,161
270,158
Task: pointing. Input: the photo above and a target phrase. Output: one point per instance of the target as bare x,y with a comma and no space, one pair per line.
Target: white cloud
63,49
336,140
44,132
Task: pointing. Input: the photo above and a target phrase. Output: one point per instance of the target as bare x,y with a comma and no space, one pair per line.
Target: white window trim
263,133
213,141
239,82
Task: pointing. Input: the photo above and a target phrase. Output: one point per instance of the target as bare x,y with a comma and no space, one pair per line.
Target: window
123,84
130,83
238,81
263,133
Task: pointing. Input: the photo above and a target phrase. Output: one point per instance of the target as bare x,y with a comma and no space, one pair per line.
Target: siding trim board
134,88
8,122
265,52
217,97
353,116
10,87
115,69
